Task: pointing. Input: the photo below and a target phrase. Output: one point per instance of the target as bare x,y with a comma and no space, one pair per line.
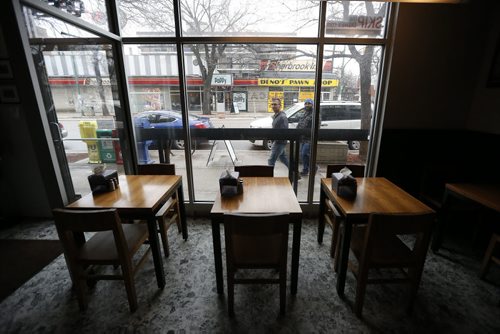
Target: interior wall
18,164
484,115
431,77
440,115
31,185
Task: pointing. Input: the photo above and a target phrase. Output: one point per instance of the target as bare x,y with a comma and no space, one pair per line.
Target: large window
236,57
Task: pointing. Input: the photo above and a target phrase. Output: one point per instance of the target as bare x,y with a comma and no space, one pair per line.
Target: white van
333,115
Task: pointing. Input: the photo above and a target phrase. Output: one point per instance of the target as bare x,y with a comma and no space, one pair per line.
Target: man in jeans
280,121
305,122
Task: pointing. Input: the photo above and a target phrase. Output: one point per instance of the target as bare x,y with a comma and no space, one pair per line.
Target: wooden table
375,194
140,197
260,195
487,195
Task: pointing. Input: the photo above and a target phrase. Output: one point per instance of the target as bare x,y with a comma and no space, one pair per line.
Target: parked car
167,119
333,115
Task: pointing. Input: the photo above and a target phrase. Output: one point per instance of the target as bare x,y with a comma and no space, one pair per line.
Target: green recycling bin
106,148
88,130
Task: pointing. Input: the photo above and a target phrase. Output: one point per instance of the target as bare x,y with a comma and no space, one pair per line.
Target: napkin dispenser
344,185
230,184
103,182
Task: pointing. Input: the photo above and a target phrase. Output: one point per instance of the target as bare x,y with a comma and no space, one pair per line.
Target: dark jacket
305,122
280,121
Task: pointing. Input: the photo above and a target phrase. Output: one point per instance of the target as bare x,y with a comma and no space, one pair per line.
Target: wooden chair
377,246
258,241
255,170
332,217
489,256
169,212
112,244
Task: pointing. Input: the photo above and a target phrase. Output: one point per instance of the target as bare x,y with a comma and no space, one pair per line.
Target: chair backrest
70,223
255,170
381,227
156,169
256,240
357,170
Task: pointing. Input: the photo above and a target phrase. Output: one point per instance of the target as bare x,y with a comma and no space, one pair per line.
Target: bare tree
199,18
96,61
364,56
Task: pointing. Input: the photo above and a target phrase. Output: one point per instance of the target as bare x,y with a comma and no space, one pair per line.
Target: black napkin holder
230,184
105,182
344,186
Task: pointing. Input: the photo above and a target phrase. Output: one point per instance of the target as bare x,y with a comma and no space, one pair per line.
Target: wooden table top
260,195
134,192
485,194
375,194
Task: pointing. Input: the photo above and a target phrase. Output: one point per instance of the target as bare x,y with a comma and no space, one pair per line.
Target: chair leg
360,291
163,236
80,286
337,253
230,294
335,237
487,256
283,291
415,277
178,210
128,279
79,281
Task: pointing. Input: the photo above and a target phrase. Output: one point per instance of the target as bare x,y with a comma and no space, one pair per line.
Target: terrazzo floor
451,298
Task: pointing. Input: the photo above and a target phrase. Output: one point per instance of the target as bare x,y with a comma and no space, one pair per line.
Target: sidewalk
227,115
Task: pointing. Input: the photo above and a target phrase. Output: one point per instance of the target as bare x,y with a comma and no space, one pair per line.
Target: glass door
76,73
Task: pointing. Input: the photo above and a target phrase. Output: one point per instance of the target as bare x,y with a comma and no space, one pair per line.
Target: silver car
333,115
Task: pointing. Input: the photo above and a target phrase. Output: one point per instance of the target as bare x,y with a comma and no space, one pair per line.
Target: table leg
161,150
344,256
437,240
321,218
155,249
217,256
182,208
297,228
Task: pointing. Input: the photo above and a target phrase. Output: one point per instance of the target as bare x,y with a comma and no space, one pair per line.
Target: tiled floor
451,298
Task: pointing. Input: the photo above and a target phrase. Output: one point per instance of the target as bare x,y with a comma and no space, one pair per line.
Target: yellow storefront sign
296,82
306,95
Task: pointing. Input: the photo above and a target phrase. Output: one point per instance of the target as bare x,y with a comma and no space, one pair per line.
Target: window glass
249,18
153,81
147,18
91,11
238,95
228,86
356,69
356,19
83,88
40,25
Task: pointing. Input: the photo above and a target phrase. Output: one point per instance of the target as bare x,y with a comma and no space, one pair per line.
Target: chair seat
391,252
101,247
